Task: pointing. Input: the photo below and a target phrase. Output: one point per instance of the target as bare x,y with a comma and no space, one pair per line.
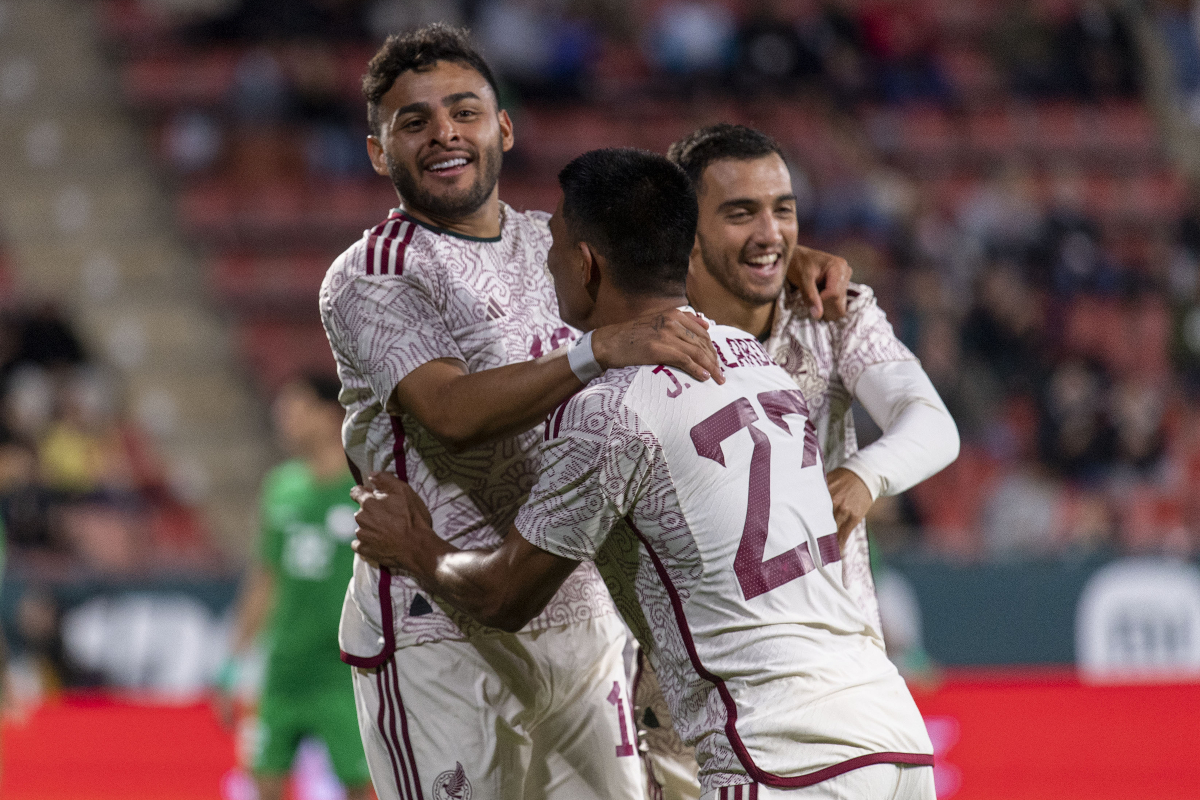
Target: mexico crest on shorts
452,785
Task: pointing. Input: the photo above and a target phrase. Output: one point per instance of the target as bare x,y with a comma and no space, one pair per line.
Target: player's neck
327,463
482,223
615,307
714,301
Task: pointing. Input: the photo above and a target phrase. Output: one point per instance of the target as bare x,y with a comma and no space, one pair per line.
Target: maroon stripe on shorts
412,760
381,689
407,767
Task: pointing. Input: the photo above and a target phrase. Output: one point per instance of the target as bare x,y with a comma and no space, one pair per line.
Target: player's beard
450,205
729,273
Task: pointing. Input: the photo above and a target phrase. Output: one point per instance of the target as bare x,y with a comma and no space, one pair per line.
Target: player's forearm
478,407
476,582
919,435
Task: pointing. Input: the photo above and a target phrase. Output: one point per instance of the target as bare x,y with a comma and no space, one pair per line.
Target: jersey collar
399,213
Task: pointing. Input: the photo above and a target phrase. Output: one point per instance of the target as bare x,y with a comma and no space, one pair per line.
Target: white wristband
582,360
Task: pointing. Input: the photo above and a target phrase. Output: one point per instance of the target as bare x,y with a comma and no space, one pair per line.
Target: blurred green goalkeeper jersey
307,530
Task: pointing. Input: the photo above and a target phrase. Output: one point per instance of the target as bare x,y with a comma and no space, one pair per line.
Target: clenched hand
393,522
851,501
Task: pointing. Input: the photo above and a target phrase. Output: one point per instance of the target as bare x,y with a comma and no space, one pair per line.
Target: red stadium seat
195,79
276,351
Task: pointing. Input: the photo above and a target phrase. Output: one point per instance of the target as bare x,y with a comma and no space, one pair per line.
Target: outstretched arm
502,588
463,409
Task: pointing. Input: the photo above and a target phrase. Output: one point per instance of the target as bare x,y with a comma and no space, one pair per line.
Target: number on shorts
625,748
755,575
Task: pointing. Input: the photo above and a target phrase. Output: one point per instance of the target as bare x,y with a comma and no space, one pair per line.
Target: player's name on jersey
745,353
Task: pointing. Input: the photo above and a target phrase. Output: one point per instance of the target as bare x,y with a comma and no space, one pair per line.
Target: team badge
452,785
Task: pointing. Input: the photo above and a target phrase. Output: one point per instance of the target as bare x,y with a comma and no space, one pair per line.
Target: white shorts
875,782
525,716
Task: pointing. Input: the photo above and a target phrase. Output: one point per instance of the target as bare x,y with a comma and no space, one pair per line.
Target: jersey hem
758,774
389,634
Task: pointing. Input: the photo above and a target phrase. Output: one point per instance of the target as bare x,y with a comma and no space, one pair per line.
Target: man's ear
590,270
378,158
695,259
506,132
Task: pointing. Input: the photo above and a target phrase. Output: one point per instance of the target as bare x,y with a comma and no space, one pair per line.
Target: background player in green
295,594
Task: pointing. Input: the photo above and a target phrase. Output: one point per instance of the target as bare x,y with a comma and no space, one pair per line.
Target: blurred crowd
80,487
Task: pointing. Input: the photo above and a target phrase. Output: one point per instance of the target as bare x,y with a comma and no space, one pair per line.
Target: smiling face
747,228
440,140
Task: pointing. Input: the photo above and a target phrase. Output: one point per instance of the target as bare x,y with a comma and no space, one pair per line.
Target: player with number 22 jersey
734,588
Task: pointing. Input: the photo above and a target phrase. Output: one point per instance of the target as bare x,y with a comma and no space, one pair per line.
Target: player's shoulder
536,220
859,298
530,229
594,408
397,249
736,348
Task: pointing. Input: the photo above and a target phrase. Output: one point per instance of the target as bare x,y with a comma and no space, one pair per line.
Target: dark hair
325,387
697,150
638,210
419,50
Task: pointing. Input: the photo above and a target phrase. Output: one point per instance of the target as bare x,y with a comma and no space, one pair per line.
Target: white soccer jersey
706,508
825,359
403,295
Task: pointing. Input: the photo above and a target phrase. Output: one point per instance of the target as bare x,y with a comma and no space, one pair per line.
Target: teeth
764,261
453,162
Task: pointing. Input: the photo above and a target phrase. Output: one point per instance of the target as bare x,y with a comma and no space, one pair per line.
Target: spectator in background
1097,53
901,44
541,48
1176,21
694,42
772,56
1021,44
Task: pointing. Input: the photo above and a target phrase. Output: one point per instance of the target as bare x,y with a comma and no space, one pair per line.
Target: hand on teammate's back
392,521
674,338
822,279
851,501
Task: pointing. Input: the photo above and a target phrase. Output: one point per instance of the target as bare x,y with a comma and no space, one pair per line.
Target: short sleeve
391,324
865,338
593,469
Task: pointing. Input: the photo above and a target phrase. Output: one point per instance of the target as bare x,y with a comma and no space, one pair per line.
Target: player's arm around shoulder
463,409
503,588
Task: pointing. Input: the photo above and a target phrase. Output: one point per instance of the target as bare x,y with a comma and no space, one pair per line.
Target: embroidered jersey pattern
756,651
400,297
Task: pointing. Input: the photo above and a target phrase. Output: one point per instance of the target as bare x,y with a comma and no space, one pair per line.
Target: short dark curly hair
697,150
419,50
638,210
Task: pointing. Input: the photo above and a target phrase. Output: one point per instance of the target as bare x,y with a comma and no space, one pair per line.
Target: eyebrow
447,101
738,202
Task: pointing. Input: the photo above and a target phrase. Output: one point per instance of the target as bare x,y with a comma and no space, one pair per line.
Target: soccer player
745,235
707,509
746,232
450,348
295,592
